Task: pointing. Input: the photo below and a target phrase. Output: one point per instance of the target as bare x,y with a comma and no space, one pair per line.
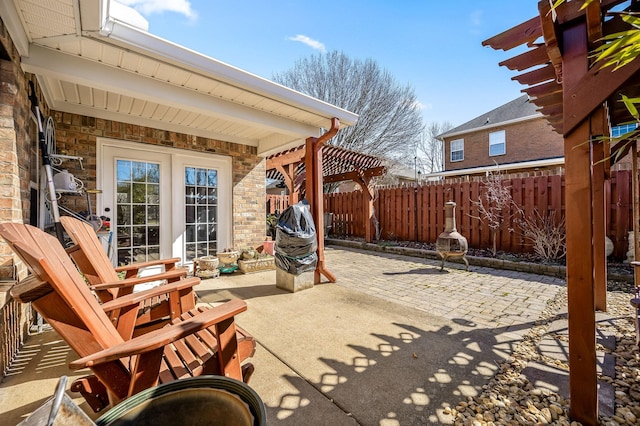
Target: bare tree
390,122
430,149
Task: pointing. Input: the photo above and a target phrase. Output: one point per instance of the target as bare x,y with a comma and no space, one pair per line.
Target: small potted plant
227,257
272,221
248,253
253,260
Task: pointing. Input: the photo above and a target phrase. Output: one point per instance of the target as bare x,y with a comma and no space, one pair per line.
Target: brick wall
16,143
525,141
16,171
249,173
77,135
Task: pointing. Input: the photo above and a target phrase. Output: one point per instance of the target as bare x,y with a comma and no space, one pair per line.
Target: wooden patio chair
156,307
92,260
202,341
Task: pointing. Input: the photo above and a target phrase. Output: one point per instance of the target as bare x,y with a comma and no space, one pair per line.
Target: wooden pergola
581,100
306,168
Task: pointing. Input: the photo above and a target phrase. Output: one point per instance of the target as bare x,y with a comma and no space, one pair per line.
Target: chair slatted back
49,262
89,254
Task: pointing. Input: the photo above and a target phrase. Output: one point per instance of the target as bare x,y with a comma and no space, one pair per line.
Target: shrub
546,234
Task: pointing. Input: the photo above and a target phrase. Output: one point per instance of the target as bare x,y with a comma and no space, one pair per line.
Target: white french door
163,202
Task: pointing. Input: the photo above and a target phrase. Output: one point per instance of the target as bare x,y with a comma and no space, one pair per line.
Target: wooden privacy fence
412,213
277,203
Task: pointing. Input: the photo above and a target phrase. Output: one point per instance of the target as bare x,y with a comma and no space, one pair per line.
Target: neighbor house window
618,131
457,150
497,144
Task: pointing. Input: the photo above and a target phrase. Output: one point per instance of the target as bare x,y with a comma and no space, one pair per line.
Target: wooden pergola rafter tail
580,99
540,75
527,32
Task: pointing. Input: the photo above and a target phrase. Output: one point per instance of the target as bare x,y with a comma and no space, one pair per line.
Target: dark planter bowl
205,400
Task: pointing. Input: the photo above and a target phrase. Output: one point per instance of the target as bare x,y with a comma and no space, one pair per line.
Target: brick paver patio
504,301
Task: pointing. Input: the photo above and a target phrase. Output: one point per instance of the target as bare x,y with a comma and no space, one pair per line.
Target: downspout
314,190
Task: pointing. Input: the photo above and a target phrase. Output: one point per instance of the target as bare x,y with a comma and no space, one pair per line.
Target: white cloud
476,18
147,7
314,44
422,106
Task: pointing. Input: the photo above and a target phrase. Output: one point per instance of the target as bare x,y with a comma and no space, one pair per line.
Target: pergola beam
356,175
336,165
295,156
592,90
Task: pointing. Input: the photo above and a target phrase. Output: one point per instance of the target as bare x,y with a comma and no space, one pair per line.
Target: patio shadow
408,378
420,271
34,374
349,358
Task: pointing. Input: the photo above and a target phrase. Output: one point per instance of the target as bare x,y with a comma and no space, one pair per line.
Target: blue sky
435,46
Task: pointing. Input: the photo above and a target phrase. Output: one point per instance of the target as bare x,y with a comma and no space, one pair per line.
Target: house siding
77,135
525,141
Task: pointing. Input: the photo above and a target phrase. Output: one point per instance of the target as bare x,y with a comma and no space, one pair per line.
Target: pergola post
599,127
580,243
367,201
315,193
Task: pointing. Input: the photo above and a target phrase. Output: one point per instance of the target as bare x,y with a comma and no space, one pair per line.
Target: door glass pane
201,214
137,204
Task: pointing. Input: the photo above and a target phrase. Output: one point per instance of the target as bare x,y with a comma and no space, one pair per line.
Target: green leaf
631,106
559,2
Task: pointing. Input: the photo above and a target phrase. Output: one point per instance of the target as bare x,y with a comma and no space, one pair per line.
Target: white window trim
457,150
502,142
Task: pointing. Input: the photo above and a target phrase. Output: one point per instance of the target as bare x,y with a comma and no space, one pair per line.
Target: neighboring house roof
96,58
519,109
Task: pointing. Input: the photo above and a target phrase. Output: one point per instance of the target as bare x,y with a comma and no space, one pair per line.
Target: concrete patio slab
379,362
394,342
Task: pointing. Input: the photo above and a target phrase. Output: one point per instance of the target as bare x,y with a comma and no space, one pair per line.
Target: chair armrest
140,265
158,339
130,282
136,298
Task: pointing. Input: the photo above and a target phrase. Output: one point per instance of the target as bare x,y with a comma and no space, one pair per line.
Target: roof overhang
547,162
89,61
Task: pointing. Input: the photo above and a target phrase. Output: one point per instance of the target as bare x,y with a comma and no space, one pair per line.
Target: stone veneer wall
77,135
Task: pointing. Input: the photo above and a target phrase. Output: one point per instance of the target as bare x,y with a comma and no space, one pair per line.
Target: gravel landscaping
511,399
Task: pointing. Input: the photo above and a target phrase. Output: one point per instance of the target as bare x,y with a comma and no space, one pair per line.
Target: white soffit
124,73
